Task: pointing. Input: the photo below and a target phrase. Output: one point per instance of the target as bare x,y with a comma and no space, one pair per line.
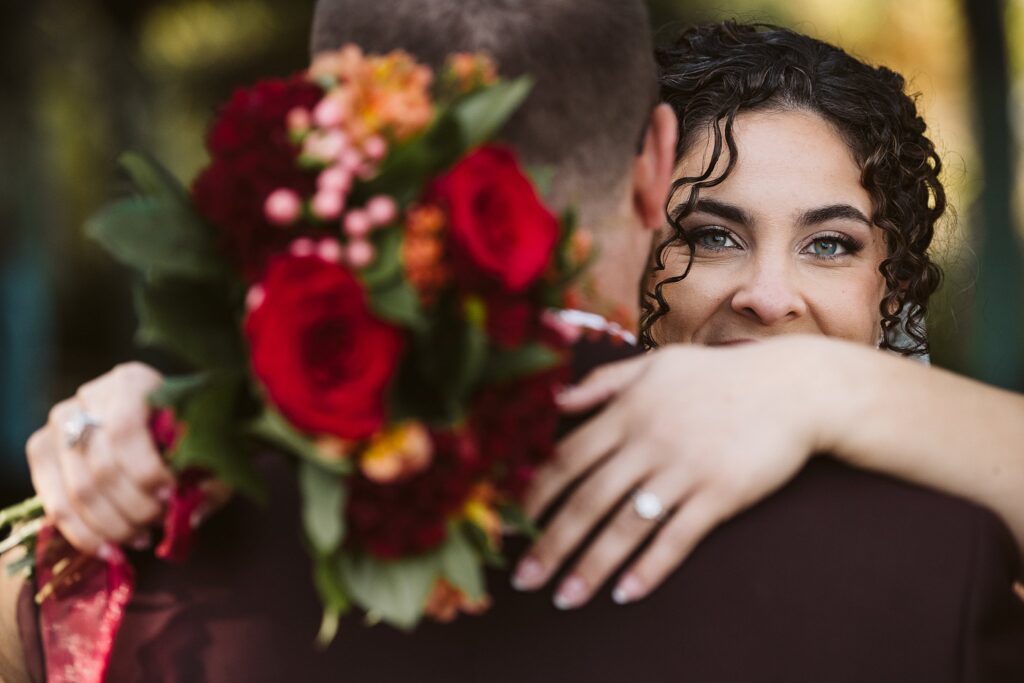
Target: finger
671,546
576,454
86,495
581,514
601,385
41,451
619,540
140,507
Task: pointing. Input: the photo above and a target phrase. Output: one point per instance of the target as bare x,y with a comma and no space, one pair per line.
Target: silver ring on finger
78,428
648,506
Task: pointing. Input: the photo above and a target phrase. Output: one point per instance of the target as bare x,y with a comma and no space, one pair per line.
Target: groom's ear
653,167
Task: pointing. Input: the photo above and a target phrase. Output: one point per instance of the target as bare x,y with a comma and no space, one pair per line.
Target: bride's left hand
707,431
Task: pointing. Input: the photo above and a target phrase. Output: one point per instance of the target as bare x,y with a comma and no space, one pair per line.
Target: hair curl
713,72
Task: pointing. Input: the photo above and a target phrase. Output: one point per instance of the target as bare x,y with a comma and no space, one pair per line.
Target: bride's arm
712,431
931,427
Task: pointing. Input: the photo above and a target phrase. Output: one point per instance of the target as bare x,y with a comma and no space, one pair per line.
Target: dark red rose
501,232
250,157
324,359
410,516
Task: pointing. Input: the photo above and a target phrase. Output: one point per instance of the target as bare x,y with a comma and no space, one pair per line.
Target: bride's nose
769,292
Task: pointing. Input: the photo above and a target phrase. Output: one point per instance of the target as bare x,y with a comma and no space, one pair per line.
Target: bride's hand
109,489
707,431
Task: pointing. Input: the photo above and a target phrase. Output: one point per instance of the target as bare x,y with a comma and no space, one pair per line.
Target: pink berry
328,204
329,250
298,120
381,210
328,113
255,297
326,146
375,147
359,253
351,159
302,247
357,224
282,206
335,178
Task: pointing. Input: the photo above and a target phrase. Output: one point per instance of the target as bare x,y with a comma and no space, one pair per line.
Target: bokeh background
82,80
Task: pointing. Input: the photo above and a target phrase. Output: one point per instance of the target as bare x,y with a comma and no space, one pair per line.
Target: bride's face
785,245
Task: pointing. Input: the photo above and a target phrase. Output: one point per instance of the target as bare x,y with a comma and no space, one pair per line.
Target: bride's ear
653,167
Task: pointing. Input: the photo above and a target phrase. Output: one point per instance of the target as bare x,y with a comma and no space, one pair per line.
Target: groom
842,576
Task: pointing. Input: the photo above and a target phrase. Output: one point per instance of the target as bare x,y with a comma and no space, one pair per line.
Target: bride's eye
832,246
714,239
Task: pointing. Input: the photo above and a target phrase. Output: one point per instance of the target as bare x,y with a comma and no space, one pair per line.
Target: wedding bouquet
358,278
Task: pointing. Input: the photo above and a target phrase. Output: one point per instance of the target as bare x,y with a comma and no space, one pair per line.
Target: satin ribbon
83,599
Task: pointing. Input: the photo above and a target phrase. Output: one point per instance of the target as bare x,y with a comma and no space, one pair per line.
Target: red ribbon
84,598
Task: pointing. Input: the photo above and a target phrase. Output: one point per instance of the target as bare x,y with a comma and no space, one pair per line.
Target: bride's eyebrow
832,212
729,212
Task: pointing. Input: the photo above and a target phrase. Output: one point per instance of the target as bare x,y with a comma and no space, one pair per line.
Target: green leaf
481,542
211,440
472,360
542,178
192,321
509,364
387,268
398,304
482,113
393,590
272,427
333,598
152,179
513,516
461,565
323,506
158,237
175,390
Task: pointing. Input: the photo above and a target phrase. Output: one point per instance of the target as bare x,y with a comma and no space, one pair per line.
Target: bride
805,200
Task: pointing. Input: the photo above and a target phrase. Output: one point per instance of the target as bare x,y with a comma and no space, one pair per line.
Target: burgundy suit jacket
841,576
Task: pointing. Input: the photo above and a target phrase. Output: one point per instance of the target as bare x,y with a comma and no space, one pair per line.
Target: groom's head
589,114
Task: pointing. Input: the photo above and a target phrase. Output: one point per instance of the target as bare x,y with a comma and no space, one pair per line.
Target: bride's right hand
109,489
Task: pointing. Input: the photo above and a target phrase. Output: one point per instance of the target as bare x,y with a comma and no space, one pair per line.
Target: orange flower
446,601
423,250
466,71
397,452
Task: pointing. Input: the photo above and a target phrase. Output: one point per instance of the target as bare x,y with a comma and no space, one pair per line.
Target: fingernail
164,493
529,575
142,541
110,553
628,590
571,593
563,393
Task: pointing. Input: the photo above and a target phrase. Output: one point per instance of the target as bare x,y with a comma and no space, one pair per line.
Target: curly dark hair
712,72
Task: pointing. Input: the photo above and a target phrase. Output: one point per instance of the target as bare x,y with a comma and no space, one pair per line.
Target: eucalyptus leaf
193,321
211,441
273,428
461,565
508,364
395,590
323,506
158,237
481,114
152,178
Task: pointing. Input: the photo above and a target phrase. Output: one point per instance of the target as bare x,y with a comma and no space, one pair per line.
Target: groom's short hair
596,80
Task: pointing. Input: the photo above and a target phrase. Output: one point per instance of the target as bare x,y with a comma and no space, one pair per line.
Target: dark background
82,80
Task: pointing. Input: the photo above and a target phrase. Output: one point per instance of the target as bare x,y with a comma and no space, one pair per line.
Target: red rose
250,157
501,232
322,356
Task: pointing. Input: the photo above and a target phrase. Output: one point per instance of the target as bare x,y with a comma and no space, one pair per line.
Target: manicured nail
628,590
142,541
572,593
529,575
110,553
564,393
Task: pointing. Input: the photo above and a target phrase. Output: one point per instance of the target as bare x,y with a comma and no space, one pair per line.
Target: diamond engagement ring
648,506
78,428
